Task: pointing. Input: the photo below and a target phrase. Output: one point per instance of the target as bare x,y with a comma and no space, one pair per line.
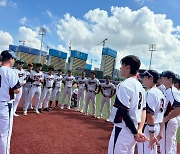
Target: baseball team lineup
145,111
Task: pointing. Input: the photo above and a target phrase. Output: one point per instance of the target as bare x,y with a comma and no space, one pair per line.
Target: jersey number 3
140,100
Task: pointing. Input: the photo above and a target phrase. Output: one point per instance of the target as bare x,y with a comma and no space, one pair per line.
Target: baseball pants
143,148
67,91
45,97
26,90
16,100
6,123
106,100
121,141
56,94
168,144
34,91
80,98
91,96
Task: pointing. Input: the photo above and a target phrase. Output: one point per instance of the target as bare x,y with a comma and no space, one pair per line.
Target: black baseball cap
69,71
169,74
20,61
38,65
30,64
93,72
151,73
50,68
7,54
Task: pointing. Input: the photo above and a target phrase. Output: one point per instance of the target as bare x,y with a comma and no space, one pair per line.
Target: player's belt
91,91
37,85
69,87
49,87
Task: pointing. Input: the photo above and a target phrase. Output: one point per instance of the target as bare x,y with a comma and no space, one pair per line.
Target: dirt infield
59,132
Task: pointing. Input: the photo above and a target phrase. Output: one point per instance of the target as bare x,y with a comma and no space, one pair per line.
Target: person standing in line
22,79
68,82
27,86
127,112
108,91
81,92
93,88
9,85
48,84
56,89
37,78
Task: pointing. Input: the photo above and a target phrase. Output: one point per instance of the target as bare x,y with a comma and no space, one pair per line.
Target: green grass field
98,101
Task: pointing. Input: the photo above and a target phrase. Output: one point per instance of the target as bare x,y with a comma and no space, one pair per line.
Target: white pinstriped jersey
58,80
8,79
22,75
107,88
69,81
27,77
36,77
156,104
82,82
49,80
92,84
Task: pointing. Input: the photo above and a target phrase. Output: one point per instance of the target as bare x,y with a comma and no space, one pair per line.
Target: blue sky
38,13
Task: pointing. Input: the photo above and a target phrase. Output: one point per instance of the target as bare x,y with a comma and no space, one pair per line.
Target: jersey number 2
140,100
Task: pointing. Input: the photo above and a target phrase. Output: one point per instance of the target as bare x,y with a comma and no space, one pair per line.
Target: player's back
131,93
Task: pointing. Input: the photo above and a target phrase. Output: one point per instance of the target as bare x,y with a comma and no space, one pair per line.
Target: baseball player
74,97
48,84
81,92
22,79
155,111
93,88
68,82
108,91
8,80
127,110
57,89
37,78
168,133
27,86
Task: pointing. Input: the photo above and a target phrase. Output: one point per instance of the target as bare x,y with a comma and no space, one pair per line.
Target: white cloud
23,20
128,32
30,37
6,40
49,13
3,3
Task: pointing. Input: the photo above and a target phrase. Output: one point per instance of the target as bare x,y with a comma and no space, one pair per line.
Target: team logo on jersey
37,77
21,75
49,79
59,79
106,88
91,82
69,79
82,82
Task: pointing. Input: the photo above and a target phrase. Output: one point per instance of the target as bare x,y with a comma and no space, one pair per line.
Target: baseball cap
38,65
177,80
151,73
50,68
169,74
7,54
20,61
93,72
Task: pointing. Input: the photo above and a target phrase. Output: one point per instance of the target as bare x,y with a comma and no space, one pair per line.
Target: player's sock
56,103
50,104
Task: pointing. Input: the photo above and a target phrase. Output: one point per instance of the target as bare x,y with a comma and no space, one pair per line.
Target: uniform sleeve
176,94
98,83
13,80
113,87
151,103
124,94
43,76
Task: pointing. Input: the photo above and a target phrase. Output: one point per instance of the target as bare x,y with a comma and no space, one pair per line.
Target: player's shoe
62,107
15,115
93,116
30,108
46,109
25,113
50,108
85,113
37,111
99,117
81,111
107,120
69,108
56,107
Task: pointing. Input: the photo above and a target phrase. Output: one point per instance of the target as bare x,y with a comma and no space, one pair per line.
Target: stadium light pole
42,32
152,47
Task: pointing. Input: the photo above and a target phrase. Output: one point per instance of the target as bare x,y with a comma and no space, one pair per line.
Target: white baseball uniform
130,96
156,106
8,79
168,144
67,90
49,80
92,85
36,78
26,89
57,87
22,79
107,91
81,93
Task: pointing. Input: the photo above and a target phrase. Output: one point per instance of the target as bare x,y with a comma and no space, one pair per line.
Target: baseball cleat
25,113
37,111
81,111
98,117
85,114
15,115
107,120
46,109
62,107
94,116
50,108
56,107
